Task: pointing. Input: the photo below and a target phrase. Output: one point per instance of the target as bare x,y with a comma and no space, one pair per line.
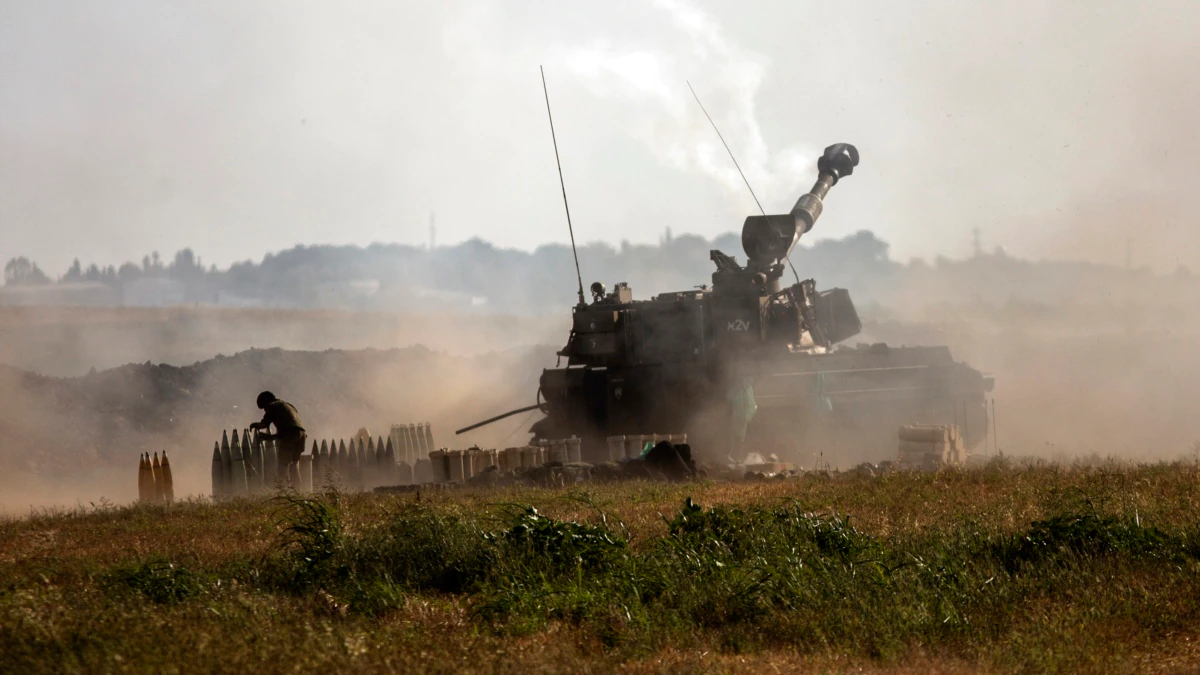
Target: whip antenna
735,162
570,229
736,166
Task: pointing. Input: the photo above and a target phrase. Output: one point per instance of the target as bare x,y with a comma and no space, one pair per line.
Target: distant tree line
478,276
21,271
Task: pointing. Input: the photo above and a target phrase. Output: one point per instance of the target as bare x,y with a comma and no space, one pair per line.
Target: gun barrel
769,239
808,208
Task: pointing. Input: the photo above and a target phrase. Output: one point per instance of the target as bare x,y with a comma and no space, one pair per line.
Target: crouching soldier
289,434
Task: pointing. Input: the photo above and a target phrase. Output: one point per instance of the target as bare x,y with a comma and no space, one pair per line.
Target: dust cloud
70,440
1062,131
70,341
1073,379
1068,391
75,415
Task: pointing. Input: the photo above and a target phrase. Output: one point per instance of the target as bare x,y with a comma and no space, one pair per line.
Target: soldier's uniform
289,435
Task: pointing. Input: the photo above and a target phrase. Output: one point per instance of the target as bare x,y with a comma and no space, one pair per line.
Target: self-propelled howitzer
748,365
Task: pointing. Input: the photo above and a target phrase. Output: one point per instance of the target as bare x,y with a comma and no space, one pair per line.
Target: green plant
1086,535
160,581
310,536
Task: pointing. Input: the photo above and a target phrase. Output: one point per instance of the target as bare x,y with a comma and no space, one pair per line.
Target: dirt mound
65,342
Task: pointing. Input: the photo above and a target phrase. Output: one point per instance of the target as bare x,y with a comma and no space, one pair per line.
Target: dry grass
62,611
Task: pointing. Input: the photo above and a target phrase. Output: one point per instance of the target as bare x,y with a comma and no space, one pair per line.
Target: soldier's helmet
265,399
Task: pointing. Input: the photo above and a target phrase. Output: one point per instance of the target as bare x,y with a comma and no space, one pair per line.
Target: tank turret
768,240
748,304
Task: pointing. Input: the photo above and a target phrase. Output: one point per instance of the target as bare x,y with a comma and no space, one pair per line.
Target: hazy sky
1061,129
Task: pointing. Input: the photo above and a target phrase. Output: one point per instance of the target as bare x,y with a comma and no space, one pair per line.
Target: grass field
994,569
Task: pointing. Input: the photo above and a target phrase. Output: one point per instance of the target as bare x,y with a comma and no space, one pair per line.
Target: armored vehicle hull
846,407
841,408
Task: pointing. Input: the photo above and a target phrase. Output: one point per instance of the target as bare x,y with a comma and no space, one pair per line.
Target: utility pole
978,245
432,231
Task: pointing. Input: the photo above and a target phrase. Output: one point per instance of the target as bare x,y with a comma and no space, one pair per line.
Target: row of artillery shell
917,448
249,465
931,455
155,483
459,465
412,442
244,466
633,445
361,464
929,433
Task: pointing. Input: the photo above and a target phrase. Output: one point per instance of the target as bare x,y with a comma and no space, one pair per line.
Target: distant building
404,298
225,299
153,292
433,297
345,294
73,294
